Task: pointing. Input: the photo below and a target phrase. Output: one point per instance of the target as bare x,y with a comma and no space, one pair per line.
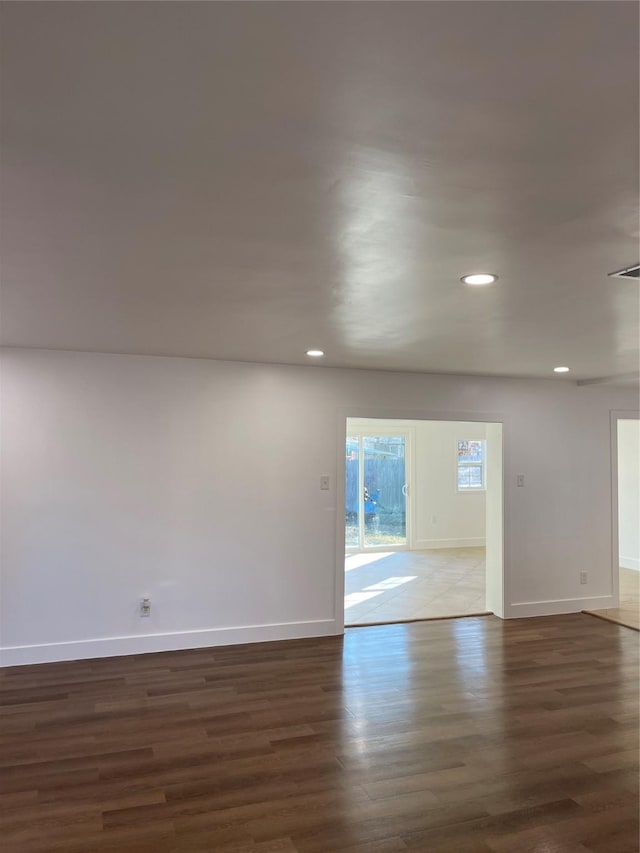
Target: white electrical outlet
584,577
145,607
324,483
519,479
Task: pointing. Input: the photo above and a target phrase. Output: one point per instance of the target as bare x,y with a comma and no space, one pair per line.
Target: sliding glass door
376,493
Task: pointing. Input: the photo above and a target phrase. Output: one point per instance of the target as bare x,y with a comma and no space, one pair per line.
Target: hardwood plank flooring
472,735
628,613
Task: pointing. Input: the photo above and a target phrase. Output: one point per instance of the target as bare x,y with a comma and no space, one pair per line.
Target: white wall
445,517
495,576
629,493
197,483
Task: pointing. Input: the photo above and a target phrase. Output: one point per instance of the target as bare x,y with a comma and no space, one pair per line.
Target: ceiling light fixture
479,278
561,369
315,353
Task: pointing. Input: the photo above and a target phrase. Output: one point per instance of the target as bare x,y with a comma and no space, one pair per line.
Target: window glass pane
464,476
475,476
471,459
471,451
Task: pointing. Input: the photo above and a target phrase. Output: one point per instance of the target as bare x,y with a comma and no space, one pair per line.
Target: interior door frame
409,436
616,416
385,413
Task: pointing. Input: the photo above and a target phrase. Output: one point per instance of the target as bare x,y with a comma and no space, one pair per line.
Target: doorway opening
423,519
626,492
628,515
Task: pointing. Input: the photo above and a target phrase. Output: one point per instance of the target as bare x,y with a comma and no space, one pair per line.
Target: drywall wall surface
629,493
495,586
196,483
446,517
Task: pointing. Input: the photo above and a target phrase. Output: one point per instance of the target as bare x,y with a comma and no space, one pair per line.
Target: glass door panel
352,492
383,499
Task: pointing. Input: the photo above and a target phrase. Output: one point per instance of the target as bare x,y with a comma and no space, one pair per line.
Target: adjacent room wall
445,517
629,493
196,483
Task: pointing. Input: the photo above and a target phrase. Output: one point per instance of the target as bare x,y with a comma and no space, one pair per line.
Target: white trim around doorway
616,415
386,413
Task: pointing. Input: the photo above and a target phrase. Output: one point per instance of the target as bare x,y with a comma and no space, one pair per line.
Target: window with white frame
471,465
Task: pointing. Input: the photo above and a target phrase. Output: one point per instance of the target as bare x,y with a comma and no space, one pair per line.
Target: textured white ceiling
248,180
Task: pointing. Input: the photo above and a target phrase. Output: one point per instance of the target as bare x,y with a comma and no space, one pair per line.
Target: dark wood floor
470,735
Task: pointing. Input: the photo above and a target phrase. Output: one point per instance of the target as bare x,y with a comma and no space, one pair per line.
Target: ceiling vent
629,272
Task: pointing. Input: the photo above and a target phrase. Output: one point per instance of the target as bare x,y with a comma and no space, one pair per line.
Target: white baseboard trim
554,608
630,563
173,641
428,544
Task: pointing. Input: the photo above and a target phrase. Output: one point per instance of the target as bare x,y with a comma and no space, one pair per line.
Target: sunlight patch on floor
356,561
390,583
374,590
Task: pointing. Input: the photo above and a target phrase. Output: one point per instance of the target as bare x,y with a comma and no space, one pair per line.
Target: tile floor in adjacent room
390,587
628,613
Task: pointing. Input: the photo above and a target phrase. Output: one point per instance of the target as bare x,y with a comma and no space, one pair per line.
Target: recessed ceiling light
560,369
315,353
479,278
